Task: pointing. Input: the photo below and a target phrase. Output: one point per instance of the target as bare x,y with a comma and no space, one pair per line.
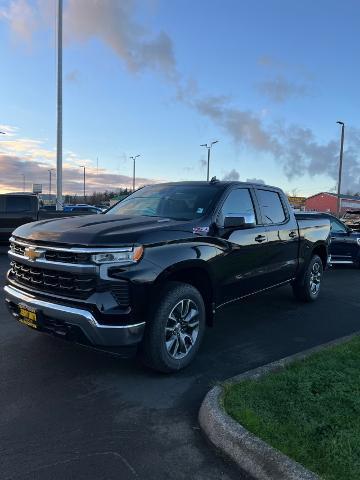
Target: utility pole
340,167
84,167
134,160
208,156
59,199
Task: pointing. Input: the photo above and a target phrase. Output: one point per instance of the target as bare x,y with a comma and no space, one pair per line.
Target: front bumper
66,321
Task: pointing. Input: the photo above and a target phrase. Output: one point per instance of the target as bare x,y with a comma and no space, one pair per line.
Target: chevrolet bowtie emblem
32,253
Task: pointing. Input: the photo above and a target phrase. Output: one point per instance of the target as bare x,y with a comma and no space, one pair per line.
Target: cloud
233,175
114,23
12,169
244,127
26,147
259,181
9,130
111,21
29,157
295,148
280,89
22,18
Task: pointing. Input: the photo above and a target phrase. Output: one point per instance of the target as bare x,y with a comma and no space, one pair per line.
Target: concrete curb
250,453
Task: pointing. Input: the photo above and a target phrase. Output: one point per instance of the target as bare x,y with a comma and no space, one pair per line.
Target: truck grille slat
121,294
77,286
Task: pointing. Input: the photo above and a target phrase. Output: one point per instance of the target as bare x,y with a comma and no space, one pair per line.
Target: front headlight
123,256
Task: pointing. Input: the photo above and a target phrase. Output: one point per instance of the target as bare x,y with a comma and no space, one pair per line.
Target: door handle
292,234
260,238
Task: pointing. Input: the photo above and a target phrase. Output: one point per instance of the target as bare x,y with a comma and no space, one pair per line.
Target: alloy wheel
315,278
182,328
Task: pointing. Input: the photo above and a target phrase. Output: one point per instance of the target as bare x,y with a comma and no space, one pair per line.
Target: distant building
327,202
298,203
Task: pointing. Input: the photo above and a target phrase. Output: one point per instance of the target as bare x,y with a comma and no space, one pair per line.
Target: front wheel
307,288
175,331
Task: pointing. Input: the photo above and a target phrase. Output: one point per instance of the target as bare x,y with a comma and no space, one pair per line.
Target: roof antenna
214,180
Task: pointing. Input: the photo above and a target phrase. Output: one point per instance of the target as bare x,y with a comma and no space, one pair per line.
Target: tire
307,288
175,330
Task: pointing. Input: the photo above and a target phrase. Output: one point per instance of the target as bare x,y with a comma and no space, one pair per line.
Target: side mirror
237,221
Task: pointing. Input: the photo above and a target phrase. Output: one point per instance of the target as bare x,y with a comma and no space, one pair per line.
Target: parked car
345,243
352,219
19,208
51,208
82,209
156,268
16,209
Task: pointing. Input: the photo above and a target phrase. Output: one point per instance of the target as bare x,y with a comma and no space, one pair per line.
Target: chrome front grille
66,257
62,283
18,249
51,254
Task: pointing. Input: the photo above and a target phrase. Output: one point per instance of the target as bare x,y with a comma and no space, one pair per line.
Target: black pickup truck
154,270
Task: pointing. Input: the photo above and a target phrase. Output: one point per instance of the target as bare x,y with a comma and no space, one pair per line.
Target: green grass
310,410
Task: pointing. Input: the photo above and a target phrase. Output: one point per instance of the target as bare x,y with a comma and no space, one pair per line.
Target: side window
271,207
337,227
238,203
18,204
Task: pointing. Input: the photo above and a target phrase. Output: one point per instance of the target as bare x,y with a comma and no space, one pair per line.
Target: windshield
179,202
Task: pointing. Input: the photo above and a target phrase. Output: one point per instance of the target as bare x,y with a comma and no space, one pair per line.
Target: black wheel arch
194,273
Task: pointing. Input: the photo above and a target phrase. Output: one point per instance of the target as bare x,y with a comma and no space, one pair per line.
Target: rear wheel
307,289
175,330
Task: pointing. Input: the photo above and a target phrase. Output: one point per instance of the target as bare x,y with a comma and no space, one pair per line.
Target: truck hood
104,230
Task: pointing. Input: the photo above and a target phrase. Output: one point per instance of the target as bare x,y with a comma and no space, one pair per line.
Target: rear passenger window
271,207
238,203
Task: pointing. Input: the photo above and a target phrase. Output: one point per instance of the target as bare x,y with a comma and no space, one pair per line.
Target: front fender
173,256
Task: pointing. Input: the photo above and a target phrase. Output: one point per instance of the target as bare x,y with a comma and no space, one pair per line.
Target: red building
327,202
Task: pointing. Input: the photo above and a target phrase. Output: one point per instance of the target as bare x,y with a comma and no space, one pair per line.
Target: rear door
240,270
282,233
342,247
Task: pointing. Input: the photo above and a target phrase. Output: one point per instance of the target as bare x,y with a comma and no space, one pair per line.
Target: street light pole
134,160
59,199
23,175
340,167
84,167
208,156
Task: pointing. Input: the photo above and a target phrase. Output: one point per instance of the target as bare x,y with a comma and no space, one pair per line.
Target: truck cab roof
221,183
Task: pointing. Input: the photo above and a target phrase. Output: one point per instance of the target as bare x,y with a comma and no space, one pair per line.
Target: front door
342,247
240,270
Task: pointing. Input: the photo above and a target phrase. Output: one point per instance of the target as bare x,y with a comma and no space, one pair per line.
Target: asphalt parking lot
70,413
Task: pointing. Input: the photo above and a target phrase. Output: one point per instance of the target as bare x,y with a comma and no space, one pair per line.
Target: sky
157,78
